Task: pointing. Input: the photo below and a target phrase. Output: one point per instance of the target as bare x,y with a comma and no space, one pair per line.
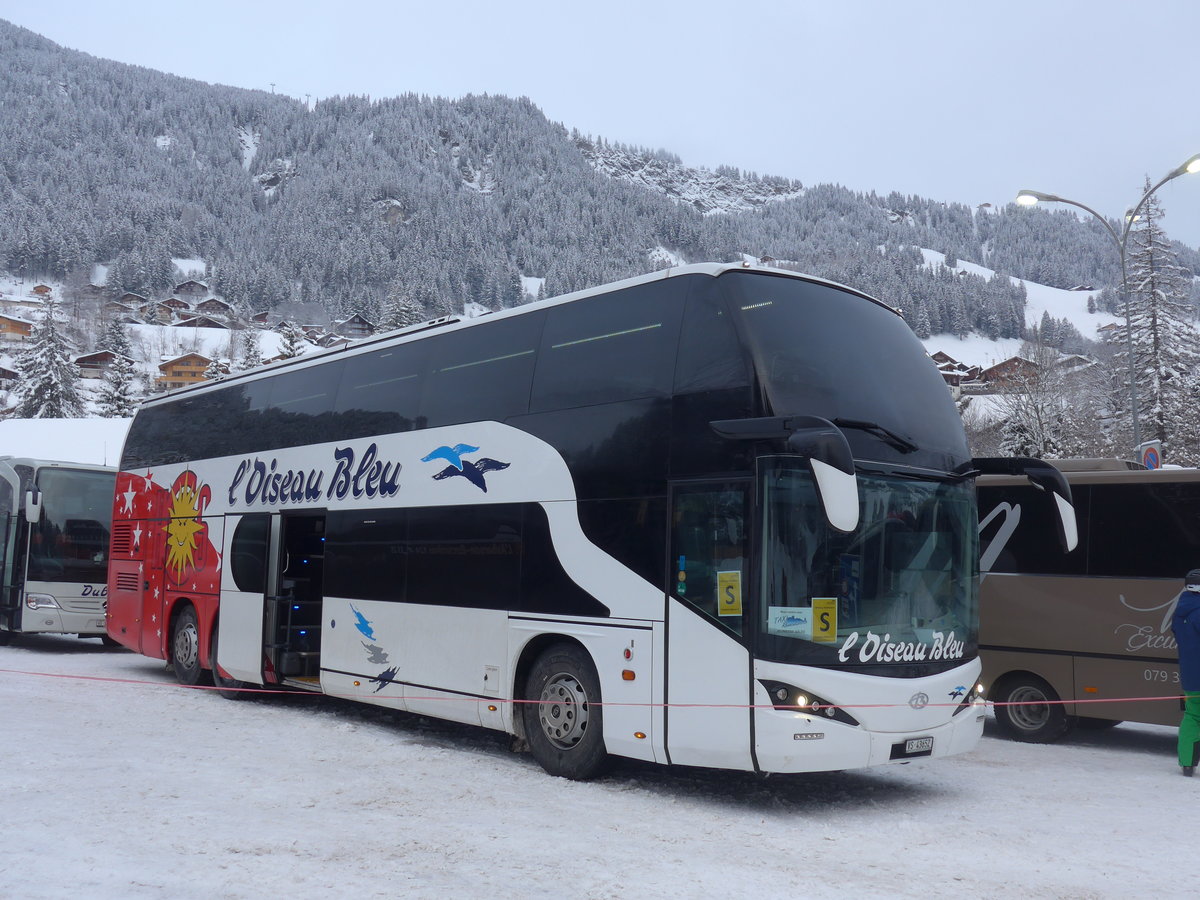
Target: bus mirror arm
1045,477
33,506
824,446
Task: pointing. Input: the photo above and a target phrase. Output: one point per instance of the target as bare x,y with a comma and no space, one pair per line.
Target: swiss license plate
918,745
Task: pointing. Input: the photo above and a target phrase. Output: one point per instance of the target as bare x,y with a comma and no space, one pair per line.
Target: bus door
248,578
708,691
10,581
295,605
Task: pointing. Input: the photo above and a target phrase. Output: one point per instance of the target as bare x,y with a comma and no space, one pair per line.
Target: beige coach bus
1091,627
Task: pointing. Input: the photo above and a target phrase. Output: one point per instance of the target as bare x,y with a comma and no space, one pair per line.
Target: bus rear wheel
564,723
1036,716
185,648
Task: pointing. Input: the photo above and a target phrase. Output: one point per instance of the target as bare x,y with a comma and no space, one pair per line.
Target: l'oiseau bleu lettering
265,483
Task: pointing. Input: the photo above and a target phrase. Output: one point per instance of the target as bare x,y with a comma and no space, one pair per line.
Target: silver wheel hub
187,646
1034,713
563,711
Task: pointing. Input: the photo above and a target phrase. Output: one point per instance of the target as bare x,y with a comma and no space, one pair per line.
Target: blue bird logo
362,624
473,471
452,455
384,678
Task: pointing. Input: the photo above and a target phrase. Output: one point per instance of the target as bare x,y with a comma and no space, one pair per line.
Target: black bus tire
1037,717
185,648
564,721
226,687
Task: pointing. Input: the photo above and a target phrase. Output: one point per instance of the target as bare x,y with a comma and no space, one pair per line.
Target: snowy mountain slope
1060,304
709,192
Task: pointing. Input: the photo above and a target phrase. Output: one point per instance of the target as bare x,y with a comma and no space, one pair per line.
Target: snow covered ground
133,787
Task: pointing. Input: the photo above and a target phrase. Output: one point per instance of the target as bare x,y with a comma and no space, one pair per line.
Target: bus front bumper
62,621
799,742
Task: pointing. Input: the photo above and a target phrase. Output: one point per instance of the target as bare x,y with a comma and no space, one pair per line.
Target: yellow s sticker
824,616
729,593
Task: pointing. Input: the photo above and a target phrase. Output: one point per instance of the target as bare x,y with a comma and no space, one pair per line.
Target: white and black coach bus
715,516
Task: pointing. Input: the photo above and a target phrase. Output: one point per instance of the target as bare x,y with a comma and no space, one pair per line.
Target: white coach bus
54,536
715,516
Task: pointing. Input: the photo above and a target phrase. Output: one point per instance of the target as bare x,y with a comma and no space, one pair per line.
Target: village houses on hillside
189,304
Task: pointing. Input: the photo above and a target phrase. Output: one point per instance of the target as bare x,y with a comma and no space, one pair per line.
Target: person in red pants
1185,623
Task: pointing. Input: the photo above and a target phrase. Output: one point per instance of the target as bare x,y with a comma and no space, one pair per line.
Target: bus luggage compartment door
246,553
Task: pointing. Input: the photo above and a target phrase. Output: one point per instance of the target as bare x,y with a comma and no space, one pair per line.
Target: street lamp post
1029,198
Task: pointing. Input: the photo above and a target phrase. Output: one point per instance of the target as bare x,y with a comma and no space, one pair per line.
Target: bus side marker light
1091,690
628,674
628,653
491,708
640,735
358,684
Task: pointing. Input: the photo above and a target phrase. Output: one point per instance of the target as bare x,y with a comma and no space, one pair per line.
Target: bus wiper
901,443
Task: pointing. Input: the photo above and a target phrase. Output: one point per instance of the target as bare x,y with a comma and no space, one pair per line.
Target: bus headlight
41,601
789,698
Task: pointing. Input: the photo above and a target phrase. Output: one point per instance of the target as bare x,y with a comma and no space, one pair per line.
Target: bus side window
249,552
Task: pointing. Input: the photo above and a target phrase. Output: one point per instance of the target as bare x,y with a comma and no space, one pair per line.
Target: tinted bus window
365,554
480,374
1144,530
465,556
249,553
1031,547
710,355
299,406
380,392
618,346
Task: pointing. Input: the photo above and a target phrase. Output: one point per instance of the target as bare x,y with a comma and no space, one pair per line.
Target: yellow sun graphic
181,532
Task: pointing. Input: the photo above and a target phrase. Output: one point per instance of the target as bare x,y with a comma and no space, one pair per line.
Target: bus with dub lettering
54,540
717,516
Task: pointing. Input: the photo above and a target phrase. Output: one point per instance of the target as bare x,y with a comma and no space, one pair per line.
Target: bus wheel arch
562,718
1032,712
184,645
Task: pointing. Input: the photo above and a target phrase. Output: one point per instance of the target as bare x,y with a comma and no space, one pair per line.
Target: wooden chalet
214,307
176,304
132,300
182,371
94,365
191,290
14,328
42,290
1012,369
8,377
157,313
200,322
355,327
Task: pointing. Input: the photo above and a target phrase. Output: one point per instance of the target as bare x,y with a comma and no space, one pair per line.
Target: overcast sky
956,101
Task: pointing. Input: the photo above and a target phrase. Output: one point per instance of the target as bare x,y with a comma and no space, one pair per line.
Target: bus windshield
900,590
807,341
70,541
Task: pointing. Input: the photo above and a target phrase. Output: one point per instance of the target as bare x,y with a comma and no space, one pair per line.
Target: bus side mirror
828,453
1045,477
33,506
822,444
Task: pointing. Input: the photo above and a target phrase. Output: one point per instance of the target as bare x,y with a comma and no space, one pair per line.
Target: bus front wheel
564,722
1035,715
185,648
